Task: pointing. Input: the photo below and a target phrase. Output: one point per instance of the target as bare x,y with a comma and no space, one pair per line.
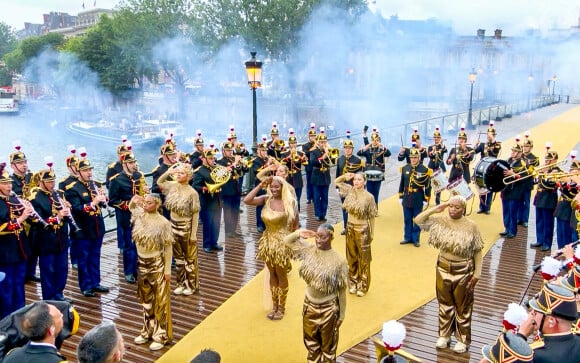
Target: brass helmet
462,134
491,129
274,130
321,135
527,141
348,142
72,159
292,137
415,136
17,155
4,174
232,134
198,138
437,132
312,130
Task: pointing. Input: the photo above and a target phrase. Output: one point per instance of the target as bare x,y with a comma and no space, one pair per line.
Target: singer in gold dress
182,201
458,268
280,215
326,275
153,238
362,209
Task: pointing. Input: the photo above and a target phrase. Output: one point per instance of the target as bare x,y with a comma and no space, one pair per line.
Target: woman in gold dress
153,238
280,215
182,201
362,210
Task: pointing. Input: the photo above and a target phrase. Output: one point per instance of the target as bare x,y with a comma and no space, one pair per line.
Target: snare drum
374,175
460,187
439,181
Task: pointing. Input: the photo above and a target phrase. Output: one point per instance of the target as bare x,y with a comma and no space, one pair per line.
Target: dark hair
207,356
37,321
98,343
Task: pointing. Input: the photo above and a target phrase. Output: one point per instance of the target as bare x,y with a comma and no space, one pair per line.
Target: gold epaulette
400,169
429,172
111,165
196,169
113,177
537,344
32,193
155,169
70,185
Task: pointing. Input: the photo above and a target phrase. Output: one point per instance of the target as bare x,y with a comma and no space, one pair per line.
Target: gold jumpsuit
326,275
153,238
271,248
460,258
362,210
183,203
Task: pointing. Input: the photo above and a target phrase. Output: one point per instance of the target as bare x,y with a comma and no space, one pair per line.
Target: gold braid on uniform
360,204
324,272
181,199
455,237
150,231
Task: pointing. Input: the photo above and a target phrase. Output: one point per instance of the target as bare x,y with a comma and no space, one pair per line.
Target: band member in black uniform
168,158
436,154
459,158
414,193
415,144
196,158
122,188
231,192
511,196
116,167
15,245
294,159
306,147
276,146
73,174
347,163
564,213
259,163
210,212
545,201
86,198
532,161
50,237
375,155
491,149
321,158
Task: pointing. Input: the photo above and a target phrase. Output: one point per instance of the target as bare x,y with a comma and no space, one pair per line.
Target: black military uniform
414,192
344,165
375,157
436,154
294,160
50,239
71,164
415,140
545,201
513,193
533,161
116,167
276,146
306,147
258,164
321,163
490,149
196,157
231,192
459,158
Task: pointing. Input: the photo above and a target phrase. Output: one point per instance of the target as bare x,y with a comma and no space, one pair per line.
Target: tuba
220,175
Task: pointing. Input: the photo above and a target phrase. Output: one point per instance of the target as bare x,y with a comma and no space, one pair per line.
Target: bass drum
489,174
374,175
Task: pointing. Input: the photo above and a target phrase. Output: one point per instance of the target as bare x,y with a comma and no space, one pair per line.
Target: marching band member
116,167
404,153
347,163
167,159
50,242
459,158
260,163
376,156
122,187
436,154
513,193
231,192
15,245
414,194
568,190
533,161
86,198
294,159
196,158
238,147
545,201
306,148
321,160
71,165
491,149
276,145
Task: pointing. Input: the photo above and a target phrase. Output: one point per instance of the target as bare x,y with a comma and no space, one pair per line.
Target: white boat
8,103
153,132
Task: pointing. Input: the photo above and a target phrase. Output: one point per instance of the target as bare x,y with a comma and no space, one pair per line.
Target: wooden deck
507,271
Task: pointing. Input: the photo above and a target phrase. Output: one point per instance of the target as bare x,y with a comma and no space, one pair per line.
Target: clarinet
103,203
537,267
70,219
34,214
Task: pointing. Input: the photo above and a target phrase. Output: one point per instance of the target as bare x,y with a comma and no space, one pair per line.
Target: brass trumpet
559,175
531,172
333,153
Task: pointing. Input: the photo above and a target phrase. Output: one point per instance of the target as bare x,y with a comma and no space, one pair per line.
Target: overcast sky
513,16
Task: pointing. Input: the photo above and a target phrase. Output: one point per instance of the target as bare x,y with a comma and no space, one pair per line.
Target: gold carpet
402,280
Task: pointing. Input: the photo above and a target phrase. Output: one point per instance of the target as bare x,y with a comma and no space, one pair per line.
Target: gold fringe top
360,203
151,231
181,199
325,271
458,237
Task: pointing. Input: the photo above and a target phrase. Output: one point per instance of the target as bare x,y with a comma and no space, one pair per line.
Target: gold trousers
455,300
153,293
185,254
358,255
319,330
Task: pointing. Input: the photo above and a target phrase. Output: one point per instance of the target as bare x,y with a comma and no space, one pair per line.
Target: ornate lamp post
254,73
554,79
472,78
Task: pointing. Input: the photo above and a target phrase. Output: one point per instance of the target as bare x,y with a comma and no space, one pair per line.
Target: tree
7,39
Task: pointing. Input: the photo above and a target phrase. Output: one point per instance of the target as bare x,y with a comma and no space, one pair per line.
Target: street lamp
530,80
554,79
254,73
472,77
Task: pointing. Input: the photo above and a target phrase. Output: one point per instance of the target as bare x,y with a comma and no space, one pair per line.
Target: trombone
530,171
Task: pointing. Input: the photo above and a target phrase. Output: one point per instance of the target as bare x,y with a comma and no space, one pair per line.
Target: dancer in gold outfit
362,209
458,268
182,201
153,237
326,276
280,215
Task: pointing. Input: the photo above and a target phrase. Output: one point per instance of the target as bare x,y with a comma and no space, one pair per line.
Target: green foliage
30,48
7,39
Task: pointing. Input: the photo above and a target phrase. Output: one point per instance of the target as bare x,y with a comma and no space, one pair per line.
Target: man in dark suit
347,163
376,156
306,148
294,159
490,149
321,161
231,193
